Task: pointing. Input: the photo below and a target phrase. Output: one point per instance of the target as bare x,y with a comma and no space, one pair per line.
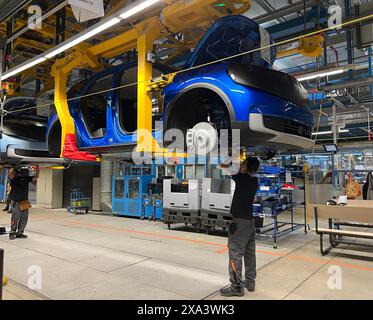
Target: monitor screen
330,147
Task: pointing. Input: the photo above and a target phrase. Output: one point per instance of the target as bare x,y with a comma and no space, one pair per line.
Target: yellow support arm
60,101
60,71
146,34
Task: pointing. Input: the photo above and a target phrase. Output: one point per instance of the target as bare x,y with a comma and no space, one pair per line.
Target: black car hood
274,82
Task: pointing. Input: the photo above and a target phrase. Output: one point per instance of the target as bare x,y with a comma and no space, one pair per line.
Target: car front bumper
274,133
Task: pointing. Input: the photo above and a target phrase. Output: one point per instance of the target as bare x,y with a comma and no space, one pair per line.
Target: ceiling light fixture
321,74
329,132
101,26
23,67
136,9
82,38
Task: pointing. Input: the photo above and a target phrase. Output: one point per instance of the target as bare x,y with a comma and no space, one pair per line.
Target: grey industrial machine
182,202
216,202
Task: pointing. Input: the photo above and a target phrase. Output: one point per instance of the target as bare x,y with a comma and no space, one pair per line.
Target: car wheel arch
200,85
53,139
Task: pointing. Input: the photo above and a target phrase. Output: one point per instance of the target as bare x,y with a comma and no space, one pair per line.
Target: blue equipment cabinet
128,195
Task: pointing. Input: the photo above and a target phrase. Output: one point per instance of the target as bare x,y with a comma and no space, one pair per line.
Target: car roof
230,35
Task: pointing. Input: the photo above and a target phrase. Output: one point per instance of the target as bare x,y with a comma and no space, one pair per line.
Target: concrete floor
104,257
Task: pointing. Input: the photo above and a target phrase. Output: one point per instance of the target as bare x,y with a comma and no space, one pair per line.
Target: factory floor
96,256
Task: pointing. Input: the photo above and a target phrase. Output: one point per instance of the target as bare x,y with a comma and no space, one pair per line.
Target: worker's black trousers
241,245
19,219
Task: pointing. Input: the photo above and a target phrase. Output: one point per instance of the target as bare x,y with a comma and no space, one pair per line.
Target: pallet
172,217
212,220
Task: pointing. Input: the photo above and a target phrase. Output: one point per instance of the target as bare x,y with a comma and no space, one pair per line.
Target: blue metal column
348,38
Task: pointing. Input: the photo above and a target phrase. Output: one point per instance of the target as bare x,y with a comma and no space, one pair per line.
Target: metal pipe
334,125
334,177
60,26
9,44
347,84
358,26
284,11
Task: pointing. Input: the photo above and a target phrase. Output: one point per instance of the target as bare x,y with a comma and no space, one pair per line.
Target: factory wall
79,177
49,189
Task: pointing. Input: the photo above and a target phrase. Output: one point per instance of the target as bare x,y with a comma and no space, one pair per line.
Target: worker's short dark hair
252,164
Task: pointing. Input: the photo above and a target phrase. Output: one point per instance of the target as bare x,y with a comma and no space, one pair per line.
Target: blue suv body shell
270,115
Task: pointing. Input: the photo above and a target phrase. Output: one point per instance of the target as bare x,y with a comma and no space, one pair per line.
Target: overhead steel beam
51,12
268,7
11,7
348,39
9,45
356,102
60,26
284,11
338,103
299,25
348,84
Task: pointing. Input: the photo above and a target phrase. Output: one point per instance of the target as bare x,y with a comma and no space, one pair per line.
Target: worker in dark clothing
241,232
19,182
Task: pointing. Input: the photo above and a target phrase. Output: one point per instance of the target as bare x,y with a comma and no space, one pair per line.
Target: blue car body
23,136
269,107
